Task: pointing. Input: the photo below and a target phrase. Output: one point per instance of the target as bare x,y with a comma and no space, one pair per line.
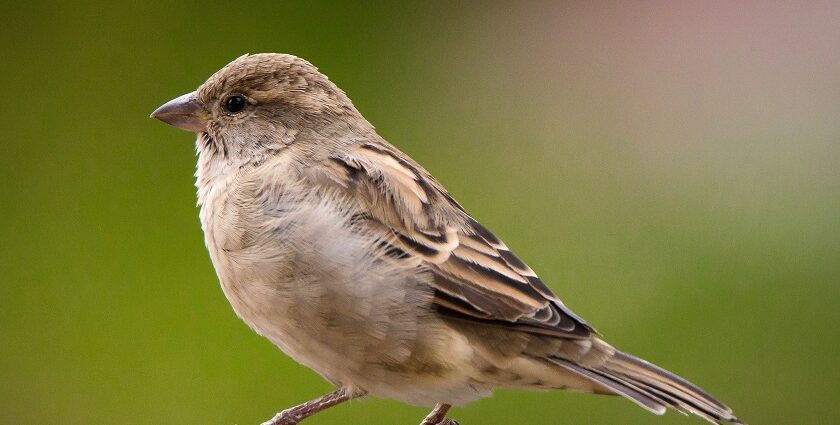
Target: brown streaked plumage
357,263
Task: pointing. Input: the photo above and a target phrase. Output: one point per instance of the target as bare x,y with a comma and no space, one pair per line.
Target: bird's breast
299,272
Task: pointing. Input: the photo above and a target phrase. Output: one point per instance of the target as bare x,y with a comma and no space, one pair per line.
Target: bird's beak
184,112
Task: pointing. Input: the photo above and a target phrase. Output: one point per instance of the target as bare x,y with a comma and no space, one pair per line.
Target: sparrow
357,263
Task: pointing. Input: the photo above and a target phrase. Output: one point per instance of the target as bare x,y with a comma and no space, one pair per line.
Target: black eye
235,103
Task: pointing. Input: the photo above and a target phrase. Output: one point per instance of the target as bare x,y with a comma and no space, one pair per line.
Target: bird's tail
651,387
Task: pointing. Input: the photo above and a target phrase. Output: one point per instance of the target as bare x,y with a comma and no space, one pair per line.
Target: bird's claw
444,421
286,417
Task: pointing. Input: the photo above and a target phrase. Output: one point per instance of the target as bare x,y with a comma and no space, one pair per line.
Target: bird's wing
475,275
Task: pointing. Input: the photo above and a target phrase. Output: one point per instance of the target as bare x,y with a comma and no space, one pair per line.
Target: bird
357,263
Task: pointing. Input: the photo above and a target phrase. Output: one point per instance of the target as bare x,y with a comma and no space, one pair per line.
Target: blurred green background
671,170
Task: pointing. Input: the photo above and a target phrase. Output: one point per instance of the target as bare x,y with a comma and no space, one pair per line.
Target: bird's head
259,104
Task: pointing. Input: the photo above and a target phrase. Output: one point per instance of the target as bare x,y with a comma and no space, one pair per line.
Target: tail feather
644,371
651,387
650,403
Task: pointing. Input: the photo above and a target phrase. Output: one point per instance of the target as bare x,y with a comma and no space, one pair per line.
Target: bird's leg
293,415
438,416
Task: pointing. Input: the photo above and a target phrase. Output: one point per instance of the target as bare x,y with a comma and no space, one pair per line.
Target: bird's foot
438,416
293,415
286,417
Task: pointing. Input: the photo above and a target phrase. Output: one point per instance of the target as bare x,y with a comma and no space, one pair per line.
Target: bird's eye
235,103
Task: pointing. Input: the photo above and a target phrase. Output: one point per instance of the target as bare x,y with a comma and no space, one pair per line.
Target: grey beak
184,112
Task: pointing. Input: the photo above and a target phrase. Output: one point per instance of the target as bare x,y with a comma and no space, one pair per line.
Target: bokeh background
670,169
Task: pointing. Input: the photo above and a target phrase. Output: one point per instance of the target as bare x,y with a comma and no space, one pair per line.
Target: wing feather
475,275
